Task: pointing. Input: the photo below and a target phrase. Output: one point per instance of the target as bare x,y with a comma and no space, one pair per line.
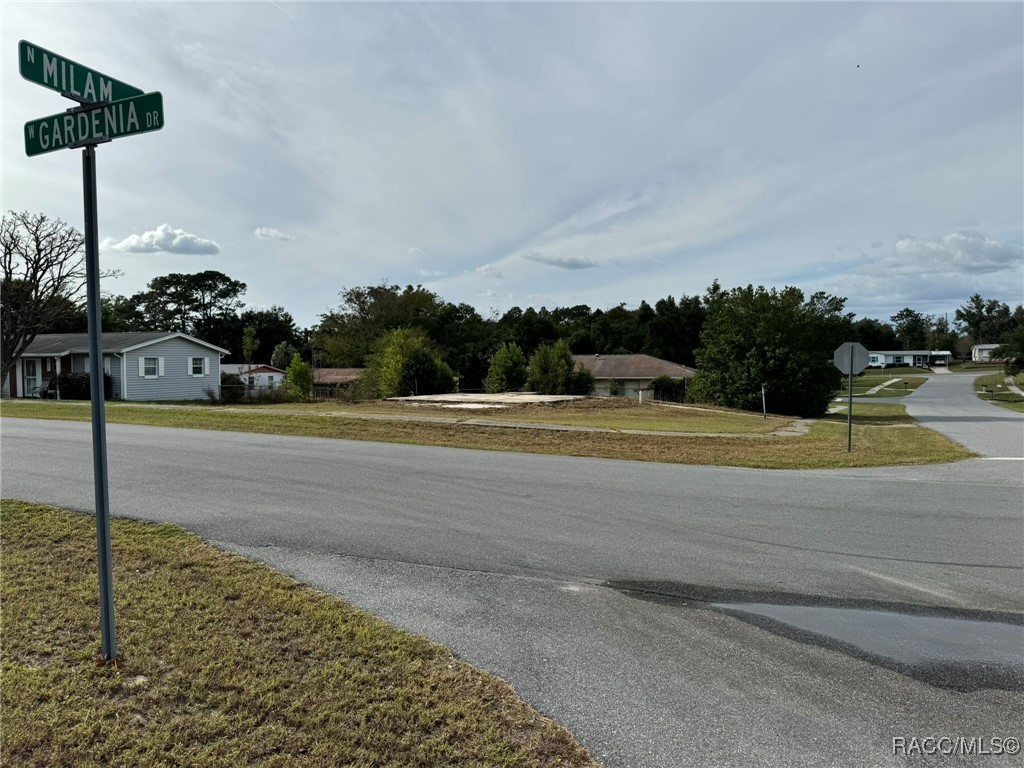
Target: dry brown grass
823,447
228,663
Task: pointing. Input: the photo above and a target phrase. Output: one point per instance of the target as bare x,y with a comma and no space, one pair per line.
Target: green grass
823,447
228,663
993,389
967,366
873,413
897,385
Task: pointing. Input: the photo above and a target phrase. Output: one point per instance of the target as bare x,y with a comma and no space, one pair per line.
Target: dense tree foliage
403,361
911,328
754,336
300,376
986,321
282,355
552,371
507,370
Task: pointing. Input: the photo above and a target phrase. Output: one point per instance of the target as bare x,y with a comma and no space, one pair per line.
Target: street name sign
53,71
850,357
108,109
126,117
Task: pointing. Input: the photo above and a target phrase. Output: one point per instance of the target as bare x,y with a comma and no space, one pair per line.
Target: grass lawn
874,413
228,663
897,385
823,447
607,412
968,366
993,389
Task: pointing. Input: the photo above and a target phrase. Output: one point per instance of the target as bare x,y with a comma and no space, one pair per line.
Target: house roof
632,367
240,368
985,346
59,344
336,375
909,352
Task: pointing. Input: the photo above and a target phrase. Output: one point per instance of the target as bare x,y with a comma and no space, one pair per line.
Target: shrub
75,386
507,369
232,390
552,371
300,377
667,388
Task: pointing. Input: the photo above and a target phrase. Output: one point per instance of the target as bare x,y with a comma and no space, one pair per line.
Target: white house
982,353
257,376
141,366
923,358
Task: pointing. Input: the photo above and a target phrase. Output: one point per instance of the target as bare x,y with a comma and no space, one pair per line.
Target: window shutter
206,366
161,368
142,366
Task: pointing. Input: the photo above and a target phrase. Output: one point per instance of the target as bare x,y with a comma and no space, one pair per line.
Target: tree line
737,338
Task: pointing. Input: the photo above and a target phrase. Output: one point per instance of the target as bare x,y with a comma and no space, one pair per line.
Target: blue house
142,366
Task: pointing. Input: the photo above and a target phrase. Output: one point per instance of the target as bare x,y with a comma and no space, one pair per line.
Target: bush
669,389
232,390
404,361
75,386
507,370
300,377
552,371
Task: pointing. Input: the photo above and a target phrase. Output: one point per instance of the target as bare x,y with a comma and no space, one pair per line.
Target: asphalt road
948,405
589,583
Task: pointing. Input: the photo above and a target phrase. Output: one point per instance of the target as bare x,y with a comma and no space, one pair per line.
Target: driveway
592,585
948,405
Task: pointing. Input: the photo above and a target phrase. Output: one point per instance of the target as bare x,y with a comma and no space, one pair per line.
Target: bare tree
43,263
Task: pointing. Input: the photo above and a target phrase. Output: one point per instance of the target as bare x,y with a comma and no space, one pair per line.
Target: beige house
627,375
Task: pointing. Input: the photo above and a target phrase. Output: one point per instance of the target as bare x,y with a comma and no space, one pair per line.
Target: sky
535,154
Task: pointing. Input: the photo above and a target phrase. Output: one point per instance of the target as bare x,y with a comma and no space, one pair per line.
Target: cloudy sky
547,154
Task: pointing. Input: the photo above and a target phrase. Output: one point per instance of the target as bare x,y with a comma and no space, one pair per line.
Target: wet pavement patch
947,648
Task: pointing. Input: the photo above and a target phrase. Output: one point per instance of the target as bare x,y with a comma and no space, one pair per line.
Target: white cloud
563,262
932,274
489,270
430,274
269,233
163,239
967,252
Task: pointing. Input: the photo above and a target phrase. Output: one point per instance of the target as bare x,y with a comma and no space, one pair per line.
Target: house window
198,366
151,366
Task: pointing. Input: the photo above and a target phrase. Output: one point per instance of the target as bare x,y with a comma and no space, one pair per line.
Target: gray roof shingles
632,367
56,344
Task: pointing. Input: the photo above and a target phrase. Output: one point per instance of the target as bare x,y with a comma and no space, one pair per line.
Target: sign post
108,109
851,358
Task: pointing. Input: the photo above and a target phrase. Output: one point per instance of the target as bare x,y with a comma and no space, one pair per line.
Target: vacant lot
610,413
228,663
823,446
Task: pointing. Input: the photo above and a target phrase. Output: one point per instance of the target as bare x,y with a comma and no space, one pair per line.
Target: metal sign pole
96,388
849,409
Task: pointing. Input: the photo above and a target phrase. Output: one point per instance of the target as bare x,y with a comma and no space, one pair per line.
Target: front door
31,377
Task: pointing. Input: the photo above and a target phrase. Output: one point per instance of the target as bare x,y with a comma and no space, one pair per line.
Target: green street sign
139,114
51,70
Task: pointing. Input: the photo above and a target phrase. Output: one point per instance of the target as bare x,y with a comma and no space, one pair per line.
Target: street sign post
94,124
109,109
69,78
850,358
